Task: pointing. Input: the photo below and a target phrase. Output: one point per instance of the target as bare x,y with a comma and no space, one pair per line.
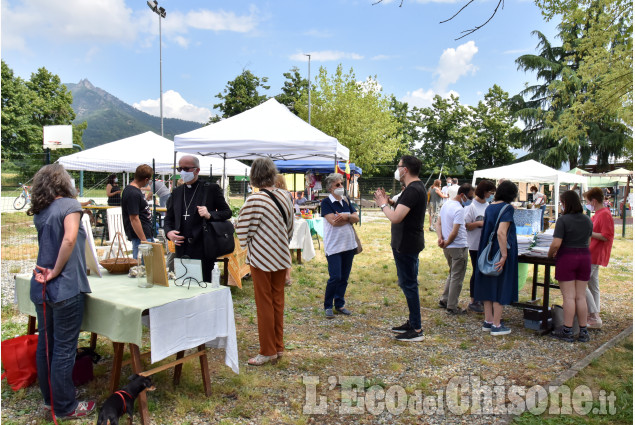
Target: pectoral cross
185,216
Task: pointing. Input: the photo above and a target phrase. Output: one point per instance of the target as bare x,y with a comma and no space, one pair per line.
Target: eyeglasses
179,169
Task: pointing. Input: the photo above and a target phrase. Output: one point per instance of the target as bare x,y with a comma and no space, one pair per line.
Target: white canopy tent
127,154
532,172
268,129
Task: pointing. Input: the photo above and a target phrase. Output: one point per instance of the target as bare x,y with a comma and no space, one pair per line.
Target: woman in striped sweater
265,227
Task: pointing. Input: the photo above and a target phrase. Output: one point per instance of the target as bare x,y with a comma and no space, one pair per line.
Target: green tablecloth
316,225
114,307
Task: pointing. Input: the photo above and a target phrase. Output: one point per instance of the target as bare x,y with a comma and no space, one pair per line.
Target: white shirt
341,238
453,191
539,198
475,212
452,213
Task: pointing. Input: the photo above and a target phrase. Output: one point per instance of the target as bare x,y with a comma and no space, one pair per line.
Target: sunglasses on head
179,169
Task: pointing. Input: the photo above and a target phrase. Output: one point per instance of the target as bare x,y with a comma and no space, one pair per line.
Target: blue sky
115,44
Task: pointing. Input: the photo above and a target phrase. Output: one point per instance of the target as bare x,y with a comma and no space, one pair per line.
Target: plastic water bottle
216,276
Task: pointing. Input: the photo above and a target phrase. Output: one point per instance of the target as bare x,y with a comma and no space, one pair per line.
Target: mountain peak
85,83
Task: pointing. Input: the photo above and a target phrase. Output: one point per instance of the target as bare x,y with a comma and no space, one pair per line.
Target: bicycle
23,198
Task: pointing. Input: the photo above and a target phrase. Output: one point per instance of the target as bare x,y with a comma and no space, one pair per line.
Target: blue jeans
340,265
63,322
407,272
135,246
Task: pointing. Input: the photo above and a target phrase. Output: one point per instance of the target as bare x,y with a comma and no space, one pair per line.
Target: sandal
259,360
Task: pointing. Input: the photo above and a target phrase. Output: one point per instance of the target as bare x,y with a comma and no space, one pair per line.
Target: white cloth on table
302,240
205,319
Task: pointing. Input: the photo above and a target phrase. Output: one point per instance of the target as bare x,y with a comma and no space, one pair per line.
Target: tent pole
225,172
245,186
556,197
154,204
174,166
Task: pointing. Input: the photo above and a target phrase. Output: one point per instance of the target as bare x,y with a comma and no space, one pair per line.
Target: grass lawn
360,349
606,374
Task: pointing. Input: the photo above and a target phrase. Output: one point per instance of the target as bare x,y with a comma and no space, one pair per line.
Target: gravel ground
335,351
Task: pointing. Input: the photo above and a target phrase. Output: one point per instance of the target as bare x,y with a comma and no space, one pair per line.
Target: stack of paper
524,242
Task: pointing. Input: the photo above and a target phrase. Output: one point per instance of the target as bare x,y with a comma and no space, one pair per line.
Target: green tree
355,113
241,94
556,131
406,130
20,135
445,136
28,106
494,130
293,88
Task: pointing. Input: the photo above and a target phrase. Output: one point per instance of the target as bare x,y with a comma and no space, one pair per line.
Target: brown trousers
269,295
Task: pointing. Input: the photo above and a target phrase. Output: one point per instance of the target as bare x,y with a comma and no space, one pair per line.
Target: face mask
590,207
339,191
116,180
397,174
187,176
490,198
466,203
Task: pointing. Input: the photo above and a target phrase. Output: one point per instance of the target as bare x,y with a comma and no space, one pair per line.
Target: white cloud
174,106
108,21
325,56
222,20
66,20
453,64
423,98
182,41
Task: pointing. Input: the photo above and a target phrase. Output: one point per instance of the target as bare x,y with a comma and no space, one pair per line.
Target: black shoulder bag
218,236
275,200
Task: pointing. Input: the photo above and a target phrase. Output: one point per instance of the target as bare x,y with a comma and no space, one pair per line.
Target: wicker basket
118,265
121,263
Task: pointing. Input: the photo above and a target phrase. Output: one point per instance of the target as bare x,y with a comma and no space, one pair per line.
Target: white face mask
398,174
339,191
116,180
187,176
590,207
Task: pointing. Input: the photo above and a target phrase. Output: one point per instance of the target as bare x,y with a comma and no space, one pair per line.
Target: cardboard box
536,325
535,313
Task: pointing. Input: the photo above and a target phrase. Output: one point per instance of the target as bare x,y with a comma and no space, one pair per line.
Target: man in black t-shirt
137,218
407,240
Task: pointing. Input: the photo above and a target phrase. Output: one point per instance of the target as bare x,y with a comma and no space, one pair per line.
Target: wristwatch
383,206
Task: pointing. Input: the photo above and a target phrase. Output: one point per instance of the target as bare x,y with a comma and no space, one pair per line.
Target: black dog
122,401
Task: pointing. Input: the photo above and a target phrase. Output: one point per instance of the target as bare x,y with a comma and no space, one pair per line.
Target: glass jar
145,258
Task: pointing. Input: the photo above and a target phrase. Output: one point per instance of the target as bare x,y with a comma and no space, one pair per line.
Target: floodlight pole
154,6
309,87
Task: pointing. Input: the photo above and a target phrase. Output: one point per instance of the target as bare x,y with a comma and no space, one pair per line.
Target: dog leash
123,398
46,344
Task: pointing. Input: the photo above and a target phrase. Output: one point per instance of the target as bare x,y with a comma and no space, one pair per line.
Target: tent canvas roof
127,154
529,172
318,166
268,129
532,172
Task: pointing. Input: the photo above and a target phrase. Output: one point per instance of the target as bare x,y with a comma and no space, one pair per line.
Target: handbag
83,368
359,248
18,361
487,259
218,236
